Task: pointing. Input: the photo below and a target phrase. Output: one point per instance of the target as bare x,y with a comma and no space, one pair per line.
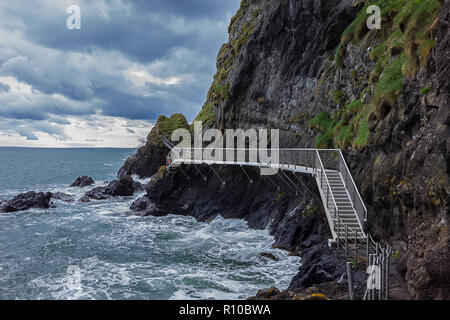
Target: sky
105,84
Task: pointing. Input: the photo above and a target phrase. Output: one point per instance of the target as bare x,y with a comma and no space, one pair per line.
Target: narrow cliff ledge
313,70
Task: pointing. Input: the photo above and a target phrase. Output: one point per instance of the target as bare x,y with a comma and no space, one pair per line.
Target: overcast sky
105,84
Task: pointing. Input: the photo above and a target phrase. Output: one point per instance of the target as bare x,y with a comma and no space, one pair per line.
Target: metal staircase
342,202
344,207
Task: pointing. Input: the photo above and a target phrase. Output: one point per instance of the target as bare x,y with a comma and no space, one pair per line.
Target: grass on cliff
405,42
165,126
347,127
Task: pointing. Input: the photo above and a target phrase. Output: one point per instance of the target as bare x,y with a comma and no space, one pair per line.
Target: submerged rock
82,182
25,201
63,197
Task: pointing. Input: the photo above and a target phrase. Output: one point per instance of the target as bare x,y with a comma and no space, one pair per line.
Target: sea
100,250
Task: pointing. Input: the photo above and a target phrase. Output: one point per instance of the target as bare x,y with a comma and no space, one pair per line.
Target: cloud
4,88
131,60
91,131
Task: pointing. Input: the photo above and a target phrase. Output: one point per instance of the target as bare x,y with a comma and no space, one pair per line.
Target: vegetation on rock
404,44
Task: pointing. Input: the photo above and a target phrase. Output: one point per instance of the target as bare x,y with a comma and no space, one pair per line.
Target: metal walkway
344,207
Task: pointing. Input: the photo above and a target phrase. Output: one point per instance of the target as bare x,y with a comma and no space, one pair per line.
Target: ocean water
98,250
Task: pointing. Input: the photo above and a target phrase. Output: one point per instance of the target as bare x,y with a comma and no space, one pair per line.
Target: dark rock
267,256
26,201
124,187
82,182
99,193
150,157
141,204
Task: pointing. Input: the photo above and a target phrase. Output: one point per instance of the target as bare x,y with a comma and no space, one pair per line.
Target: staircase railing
326,189
350,185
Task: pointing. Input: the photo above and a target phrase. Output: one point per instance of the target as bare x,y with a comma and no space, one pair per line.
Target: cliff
313,70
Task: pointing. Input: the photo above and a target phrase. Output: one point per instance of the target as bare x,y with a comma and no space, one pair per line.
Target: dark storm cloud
132,59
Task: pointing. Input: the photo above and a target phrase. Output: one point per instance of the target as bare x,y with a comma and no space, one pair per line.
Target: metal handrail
354,186
328,186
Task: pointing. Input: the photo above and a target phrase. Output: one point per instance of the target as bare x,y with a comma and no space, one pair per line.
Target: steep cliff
314,70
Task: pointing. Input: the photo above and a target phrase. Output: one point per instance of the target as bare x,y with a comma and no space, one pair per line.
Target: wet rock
99,193
124,187
82,182
26,201
264,256
140,204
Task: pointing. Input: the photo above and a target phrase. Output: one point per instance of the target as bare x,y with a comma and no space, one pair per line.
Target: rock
150,157
267,256
145,207
26,201
82,182
124,187
140,204
99,193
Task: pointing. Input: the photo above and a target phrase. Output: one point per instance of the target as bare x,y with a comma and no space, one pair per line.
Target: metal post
367,251
346,240
380,292
356,248
338,233
387,272
351,288
370,263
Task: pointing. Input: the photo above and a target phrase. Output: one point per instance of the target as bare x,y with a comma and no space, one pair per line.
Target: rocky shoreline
122,187
300,228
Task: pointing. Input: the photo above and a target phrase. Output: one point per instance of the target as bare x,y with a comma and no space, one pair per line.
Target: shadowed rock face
26,201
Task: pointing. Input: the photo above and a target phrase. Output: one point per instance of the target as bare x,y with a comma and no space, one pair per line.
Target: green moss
362,132
425,90
321,122
344,136
390,84
279,197
338,96
309,210
405,42
347,127
339,57
165,126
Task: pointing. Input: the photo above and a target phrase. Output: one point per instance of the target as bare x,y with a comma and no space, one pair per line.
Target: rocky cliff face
313,70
